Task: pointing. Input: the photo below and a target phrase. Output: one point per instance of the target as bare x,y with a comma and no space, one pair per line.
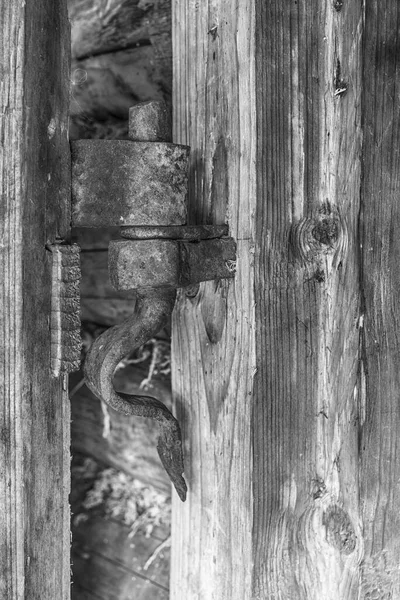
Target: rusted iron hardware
141,185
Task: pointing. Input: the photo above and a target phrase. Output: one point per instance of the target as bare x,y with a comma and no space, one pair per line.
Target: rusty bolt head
150,122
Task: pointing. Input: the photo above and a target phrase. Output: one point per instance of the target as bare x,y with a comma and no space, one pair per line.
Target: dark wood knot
340,532
320,235
326,232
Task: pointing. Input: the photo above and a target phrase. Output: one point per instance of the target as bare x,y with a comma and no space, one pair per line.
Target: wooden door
286,379
34,214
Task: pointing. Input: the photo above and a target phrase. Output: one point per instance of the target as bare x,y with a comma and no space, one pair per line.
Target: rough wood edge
66,341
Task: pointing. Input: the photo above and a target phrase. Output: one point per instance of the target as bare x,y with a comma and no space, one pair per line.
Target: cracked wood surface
34,212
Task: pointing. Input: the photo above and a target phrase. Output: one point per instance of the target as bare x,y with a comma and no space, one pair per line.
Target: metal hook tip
170,452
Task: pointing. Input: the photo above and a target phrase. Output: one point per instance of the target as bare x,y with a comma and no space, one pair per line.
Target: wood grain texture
266,369
213,330
34,212
307,535
380,452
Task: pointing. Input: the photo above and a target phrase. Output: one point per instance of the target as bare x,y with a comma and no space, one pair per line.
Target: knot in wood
326,232
317,236
339,529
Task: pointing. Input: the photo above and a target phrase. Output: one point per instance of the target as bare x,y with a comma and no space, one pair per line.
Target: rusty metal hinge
141,185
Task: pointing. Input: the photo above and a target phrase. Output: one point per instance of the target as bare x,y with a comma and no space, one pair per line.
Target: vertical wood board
307,532
213,330
34,212
380,451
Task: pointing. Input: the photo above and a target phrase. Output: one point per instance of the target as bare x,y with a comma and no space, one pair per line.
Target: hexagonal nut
143,264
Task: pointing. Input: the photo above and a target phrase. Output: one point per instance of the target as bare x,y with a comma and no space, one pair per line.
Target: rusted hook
152,309
145,182
143,189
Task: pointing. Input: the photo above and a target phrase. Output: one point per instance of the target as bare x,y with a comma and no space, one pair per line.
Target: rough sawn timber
265,367
380,450
34,213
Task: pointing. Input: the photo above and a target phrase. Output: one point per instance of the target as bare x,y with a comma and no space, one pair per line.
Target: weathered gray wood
307,534
34,211
265,367
213,354
380,414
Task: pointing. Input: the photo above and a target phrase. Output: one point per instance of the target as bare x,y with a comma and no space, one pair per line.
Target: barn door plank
380,450
213,330
34,213
307,530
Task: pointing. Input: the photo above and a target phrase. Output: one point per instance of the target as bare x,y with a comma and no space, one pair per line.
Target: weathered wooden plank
380,452
213,348
265,368
34,212
307,540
